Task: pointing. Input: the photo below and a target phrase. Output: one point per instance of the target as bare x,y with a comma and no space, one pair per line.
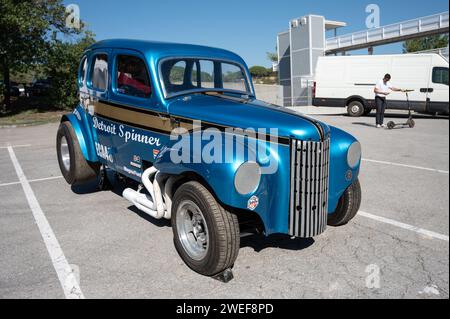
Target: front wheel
206,235
74,167
348,206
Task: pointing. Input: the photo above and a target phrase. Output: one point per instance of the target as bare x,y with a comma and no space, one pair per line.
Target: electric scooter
410,122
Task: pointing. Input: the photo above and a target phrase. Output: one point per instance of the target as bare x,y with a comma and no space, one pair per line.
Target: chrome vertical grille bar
309,188
293,185
302,201
321,187
298,197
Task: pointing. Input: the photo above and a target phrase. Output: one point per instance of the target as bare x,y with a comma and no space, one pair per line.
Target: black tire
355,109
348,206
79,171
411,123
367,111
222,226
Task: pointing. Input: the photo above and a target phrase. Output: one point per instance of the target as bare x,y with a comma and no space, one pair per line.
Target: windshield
184,75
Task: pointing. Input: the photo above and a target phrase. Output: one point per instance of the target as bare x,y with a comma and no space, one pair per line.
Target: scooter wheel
391,125
411,123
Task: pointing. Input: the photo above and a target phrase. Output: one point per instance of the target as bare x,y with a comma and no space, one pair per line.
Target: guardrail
433,24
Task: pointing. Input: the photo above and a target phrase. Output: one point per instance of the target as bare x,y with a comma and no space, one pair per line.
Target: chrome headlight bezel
247,178
354,154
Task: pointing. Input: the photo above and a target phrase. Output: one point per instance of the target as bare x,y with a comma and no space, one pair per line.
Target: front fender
272,193
340,143
80,125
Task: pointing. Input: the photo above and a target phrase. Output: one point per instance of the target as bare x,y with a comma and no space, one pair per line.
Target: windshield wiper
245,98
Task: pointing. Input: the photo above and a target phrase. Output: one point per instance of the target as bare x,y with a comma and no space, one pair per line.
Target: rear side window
132,77
440,75
83,69
100,72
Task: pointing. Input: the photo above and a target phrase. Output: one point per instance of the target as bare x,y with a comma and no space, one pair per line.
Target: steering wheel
131,90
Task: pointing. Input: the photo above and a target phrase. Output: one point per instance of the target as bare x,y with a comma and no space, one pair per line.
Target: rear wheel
205,234
348,206
74,167
355,109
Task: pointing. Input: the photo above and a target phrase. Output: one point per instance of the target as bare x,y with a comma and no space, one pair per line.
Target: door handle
430,90
426,90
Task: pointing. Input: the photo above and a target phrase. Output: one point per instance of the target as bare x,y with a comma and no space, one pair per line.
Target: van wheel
367,111
348,206
206,236
74,167
355,109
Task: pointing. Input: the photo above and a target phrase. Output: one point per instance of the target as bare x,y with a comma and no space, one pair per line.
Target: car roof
157,49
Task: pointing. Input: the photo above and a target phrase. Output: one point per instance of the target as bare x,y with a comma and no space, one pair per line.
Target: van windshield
187,75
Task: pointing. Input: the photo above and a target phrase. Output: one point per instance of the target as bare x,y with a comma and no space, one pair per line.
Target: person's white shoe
383,125
378,126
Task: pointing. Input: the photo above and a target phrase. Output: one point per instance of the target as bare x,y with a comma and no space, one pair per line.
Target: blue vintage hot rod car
183,121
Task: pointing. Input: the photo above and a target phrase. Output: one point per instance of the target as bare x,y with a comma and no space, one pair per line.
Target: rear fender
81,127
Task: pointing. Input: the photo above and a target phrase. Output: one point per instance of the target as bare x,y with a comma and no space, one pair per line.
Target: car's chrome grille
309,188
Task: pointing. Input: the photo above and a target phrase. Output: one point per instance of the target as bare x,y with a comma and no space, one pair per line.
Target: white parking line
65,274
15,146
405,165
33,180
412,228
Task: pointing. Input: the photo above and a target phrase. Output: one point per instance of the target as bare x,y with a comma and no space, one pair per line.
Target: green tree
258,71
426,43
272,56
61,66
26,27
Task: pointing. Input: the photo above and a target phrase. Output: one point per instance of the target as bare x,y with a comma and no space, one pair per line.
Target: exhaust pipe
158,203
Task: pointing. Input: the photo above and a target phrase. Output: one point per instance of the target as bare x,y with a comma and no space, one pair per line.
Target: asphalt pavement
397,247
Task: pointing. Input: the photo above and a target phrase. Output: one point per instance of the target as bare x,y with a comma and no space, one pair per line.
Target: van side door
438,91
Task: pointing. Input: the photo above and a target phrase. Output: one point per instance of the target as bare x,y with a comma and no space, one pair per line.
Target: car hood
235,112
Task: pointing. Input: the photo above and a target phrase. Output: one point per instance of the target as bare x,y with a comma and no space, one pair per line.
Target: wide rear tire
206,235
74,167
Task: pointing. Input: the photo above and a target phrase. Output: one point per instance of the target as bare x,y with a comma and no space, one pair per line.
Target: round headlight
354,154
247,178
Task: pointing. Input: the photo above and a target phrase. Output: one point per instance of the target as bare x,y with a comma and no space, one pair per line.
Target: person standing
382,90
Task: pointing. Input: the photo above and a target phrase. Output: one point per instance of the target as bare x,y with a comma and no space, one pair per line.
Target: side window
83,69
233,78
440,75
100,72
177,73
207,73
132,77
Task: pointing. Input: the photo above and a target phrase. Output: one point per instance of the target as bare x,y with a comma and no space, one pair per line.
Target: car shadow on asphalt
261,242
157,222
87,188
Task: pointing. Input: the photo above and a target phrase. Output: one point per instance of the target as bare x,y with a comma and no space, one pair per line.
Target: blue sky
247,27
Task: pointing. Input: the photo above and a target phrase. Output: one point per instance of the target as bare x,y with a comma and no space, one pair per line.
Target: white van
349,81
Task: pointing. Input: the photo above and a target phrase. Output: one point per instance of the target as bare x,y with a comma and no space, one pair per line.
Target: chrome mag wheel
192,230
65,154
